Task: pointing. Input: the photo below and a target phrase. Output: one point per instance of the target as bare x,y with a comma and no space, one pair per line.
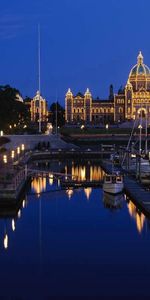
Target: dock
80,183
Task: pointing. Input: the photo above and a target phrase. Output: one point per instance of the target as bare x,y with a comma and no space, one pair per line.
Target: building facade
85,109
39,108
130,103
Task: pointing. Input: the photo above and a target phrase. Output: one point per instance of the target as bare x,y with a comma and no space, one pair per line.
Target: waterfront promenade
60,150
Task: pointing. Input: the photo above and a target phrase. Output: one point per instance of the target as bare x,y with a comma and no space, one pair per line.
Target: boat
113,183
113,201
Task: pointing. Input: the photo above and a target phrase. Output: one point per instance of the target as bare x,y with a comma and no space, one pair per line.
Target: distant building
39,104
135,99
130,102
83,108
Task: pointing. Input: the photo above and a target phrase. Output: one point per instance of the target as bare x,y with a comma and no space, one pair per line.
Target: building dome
140,68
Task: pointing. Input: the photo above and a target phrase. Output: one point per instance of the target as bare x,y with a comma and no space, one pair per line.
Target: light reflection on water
73,225
137,216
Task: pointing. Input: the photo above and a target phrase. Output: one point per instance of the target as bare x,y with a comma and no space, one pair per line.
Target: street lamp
12,155
5,159
22,148
18,151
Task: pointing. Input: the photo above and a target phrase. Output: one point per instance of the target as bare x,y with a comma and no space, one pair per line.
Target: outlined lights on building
39,107
131,102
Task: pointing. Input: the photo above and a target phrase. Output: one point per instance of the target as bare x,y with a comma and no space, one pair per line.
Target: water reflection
85,172
48,182
69,192
13,225
113,201
6,241
38,184
88,192
9,216
137,216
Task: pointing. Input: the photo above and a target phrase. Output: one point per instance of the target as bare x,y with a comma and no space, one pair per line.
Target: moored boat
113,183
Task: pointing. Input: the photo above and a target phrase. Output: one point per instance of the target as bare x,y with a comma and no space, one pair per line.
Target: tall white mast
56,113
146,131
39,75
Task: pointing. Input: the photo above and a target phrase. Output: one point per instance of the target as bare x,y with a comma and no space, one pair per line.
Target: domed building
135,99
130,103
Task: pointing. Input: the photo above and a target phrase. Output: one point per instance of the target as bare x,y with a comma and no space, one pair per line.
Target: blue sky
84,43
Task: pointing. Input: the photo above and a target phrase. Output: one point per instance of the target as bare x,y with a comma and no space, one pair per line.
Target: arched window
120,110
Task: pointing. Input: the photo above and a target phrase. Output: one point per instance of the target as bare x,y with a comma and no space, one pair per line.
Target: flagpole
39,74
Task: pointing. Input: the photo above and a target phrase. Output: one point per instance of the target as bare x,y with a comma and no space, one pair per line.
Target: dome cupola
140,68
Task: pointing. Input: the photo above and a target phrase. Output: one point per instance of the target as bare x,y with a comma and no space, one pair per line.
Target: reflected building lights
85,172
19,214
13,225
139,218
69,193
5,241
39,184
23,203
58,182
88,192
96,173
51,179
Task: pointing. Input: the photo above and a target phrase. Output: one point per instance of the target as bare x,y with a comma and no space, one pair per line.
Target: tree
11,110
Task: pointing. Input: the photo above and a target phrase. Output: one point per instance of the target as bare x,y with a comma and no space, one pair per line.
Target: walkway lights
12,155
5,159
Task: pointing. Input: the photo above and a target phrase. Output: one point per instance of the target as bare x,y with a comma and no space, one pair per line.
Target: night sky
84,43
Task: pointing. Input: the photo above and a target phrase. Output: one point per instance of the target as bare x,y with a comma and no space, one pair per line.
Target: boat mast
56,113
140,137
146,131
39,75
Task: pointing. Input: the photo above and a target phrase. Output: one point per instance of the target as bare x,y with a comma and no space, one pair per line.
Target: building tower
87,106
69,106
36,106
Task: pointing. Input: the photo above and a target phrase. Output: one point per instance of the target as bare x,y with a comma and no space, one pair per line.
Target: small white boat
113,183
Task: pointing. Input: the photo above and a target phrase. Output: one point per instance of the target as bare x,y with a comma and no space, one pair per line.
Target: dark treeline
11,111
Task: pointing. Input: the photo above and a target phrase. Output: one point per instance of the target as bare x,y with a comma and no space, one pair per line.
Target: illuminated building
134,101
39,104
130,103
83,108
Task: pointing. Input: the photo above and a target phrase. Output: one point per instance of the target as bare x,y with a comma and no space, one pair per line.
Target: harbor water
74,243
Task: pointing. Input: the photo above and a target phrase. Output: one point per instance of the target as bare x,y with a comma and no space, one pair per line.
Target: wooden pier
80,183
